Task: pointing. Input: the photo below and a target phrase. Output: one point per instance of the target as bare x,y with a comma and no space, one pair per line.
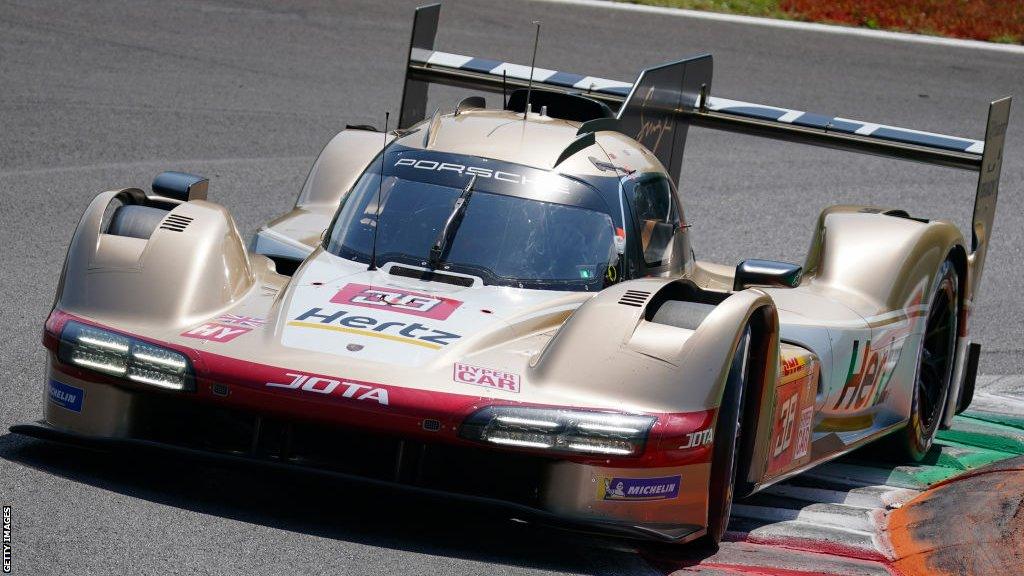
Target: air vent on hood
428,276
634,298
175,222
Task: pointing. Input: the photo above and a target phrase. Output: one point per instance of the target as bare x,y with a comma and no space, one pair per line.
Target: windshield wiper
451,225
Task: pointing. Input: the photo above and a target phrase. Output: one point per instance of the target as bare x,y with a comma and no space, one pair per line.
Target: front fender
610,346
175,277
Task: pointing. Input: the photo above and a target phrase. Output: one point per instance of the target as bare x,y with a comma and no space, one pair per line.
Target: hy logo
216,332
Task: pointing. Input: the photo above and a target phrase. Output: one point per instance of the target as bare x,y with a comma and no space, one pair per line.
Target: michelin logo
66,396
637,489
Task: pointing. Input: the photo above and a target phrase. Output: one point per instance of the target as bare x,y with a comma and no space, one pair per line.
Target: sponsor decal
354,323
699,438
554,184
397,300
868,376
610,167
792,420
872,368
638,489
486,377
792,365
327,386
225,328
215,332
66,396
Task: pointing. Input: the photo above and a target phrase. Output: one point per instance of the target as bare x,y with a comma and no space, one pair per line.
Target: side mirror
767,273
180,186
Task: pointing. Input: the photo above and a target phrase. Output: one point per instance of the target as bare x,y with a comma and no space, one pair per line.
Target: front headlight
566,431
110,353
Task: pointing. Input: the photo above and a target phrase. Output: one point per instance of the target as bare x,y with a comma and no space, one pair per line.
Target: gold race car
501,303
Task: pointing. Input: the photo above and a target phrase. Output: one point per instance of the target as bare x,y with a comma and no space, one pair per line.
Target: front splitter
676,535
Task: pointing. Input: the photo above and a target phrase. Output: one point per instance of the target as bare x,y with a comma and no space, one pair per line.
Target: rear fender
876,260
879,257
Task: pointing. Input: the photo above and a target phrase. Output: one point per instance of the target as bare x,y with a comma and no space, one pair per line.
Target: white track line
999,393
795,25
998,403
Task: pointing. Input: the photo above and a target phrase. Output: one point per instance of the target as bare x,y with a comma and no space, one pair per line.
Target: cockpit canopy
520,226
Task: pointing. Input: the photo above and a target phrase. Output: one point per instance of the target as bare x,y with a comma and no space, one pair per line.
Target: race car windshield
505,240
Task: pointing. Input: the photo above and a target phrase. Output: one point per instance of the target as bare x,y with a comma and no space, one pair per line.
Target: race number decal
783,432
803,433
391,299
793,414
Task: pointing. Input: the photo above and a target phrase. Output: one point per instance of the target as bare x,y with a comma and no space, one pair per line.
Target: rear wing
664,101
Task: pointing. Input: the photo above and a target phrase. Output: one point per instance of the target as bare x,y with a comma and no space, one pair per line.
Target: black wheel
726,451
935,365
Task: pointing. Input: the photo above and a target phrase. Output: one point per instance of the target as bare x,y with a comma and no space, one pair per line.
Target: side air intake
175,223
634,298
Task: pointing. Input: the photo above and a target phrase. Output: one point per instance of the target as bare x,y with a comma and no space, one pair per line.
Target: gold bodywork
865,273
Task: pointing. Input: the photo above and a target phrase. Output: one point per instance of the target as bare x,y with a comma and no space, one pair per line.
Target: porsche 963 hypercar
501,303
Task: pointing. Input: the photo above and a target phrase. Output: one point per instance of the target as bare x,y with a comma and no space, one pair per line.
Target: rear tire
726,448
936,359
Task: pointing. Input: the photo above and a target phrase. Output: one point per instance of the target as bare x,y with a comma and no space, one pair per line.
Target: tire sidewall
919,439
724,463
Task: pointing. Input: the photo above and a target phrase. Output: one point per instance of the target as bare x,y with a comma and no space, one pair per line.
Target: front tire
935,365
726,448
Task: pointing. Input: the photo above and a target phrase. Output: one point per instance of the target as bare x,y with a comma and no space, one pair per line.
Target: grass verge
988,20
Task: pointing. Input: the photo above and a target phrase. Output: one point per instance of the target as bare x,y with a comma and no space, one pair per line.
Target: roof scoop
574,107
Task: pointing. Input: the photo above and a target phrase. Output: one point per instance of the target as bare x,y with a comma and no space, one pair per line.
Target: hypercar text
485,377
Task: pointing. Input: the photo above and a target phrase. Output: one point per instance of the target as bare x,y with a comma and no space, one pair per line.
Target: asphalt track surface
99,96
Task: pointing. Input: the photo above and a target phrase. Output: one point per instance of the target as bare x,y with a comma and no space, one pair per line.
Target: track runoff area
961,511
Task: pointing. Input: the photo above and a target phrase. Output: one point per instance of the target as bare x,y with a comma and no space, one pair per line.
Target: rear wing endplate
659,106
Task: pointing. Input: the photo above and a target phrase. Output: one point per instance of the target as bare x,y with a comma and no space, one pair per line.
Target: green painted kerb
976,439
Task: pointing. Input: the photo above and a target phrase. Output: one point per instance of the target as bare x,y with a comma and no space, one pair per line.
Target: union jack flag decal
245,321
